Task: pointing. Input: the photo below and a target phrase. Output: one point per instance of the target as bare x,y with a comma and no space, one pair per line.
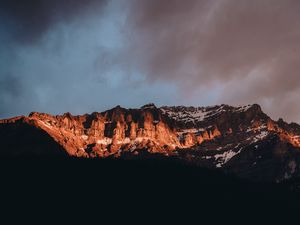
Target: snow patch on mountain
225,157
185,114
243,108
260,136
192,114
104,141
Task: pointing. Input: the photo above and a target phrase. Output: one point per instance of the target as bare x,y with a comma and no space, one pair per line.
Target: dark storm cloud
37,62
78,55
248,49
28,20
64,55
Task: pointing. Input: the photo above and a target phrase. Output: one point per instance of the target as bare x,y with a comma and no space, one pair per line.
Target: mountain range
242,141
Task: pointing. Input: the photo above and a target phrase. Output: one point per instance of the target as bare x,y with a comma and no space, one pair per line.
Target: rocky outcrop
106,133
287,132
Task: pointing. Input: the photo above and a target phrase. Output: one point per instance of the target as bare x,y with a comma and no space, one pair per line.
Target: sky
82,56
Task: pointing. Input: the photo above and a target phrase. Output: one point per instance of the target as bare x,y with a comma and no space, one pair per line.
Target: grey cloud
72,66
200,44
28,20
79,55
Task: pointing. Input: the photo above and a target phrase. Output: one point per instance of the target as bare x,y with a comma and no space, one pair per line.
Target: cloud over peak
202,51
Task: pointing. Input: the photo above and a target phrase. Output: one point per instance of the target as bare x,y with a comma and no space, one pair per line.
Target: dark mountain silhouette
242,141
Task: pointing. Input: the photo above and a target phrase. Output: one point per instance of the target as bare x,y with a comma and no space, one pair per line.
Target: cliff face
107,133
231,138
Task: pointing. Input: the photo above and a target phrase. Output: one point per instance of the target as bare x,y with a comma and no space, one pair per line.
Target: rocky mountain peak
220,136
149,106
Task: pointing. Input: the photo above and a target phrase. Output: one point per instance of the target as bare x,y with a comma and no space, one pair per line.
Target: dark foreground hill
159,191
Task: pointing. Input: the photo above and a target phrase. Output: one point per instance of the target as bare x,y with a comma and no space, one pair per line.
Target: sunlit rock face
242,139
287,132
107,133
